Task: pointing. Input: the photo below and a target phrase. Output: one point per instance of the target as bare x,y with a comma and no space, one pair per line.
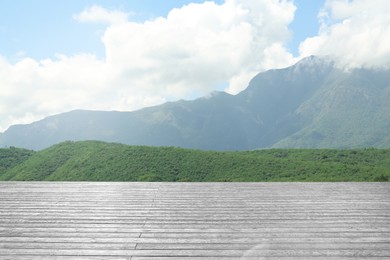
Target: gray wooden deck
194,221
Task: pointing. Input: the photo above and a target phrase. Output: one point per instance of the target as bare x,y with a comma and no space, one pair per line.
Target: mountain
312,104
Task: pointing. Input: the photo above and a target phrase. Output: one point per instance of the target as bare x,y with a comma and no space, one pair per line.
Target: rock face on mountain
310,104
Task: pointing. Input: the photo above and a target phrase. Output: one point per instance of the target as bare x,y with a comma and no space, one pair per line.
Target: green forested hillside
11,157
99,161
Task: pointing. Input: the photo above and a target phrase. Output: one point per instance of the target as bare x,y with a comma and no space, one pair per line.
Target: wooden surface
194,221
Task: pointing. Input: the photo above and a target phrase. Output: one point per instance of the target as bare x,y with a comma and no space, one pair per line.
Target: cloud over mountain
200,46
356,33
195,49
190,52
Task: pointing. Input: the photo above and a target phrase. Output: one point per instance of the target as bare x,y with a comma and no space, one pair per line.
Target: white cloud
356,33
184,55
201,45
99,14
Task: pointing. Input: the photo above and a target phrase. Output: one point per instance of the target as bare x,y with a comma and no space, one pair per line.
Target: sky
57,56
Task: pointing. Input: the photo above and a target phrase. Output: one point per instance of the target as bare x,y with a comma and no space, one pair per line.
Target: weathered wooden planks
194,220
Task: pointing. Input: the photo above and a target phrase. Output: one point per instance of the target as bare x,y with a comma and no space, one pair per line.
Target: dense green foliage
99,161
10,157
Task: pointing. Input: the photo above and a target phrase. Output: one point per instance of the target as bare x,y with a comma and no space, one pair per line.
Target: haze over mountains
312,104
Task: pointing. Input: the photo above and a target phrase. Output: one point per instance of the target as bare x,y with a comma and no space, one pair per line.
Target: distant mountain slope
311,104
351,110
98,161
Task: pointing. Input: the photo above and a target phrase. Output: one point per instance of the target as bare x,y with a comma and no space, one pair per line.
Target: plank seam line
148,214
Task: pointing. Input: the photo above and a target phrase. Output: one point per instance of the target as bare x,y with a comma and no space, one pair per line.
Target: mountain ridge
312,104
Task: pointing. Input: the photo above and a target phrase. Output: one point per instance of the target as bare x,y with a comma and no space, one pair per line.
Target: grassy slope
98,161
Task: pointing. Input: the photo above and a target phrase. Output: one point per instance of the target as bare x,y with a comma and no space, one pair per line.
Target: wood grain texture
194,220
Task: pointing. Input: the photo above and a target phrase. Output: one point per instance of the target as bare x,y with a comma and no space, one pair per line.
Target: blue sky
41,28
305,23
57,56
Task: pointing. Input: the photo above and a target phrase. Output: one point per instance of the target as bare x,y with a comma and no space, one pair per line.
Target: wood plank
48,220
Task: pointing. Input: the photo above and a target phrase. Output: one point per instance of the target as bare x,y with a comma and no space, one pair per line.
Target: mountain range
312,104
